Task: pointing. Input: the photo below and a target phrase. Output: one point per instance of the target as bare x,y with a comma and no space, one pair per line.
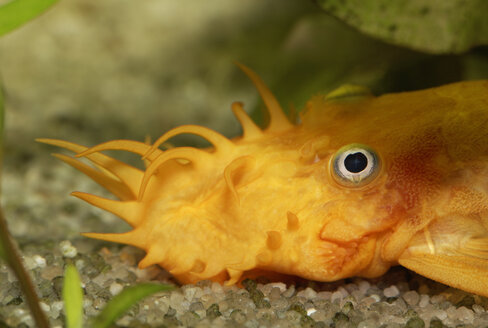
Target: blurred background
93,70
90,71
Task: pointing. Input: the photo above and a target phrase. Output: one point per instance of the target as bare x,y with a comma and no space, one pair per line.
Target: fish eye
355,165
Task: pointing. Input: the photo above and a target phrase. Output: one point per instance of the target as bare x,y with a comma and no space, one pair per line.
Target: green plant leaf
73,298
432,26
2,251
123,301
2,116
18,12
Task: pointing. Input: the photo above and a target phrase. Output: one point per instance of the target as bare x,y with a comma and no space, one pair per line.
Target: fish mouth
342,260
352,232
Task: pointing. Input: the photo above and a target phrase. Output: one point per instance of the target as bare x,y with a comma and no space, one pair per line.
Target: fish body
362,183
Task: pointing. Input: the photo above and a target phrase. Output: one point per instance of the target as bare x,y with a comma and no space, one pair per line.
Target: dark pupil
355,162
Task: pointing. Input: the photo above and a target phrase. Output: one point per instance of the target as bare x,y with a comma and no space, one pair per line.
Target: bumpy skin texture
269,201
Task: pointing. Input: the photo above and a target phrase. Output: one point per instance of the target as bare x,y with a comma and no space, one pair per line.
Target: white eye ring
355,165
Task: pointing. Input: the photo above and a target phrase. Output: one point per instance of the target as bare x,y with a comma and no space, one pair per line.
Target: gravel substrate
399,299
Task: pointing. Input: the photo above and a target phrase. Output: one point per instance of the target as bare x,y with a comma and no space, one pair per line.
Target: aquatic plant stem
13,260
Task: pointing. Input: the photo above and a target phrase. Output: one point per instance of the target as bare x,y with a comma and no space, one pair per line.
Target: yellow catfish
360,184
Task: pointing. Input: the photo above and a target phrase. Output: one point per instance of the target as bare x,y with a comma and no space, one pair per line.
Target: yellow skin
272,201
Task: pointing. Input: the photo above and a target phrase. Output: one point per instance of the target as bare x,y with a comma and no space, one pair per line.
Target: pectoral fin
452,250
461,272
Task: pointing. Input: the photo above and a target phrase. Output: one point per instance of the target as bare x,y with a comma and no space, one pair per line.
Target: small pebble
336,296
45,307
439,314
308,293
238,316
478,309
415,322
34,262
411,297
213,311
189,292
281,286
311,311
275,293
377,298
391,291
217,288
436,323
464,314
364,286
115,288
436,299
368,324
67,249
368,301
289,292
424,300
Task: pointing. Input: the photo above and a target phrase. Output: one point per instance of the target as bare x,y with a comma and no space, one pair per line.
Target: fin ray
132,237
220,142
128,174
114,186
249,129
129,211
461,272
132,146
278,120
